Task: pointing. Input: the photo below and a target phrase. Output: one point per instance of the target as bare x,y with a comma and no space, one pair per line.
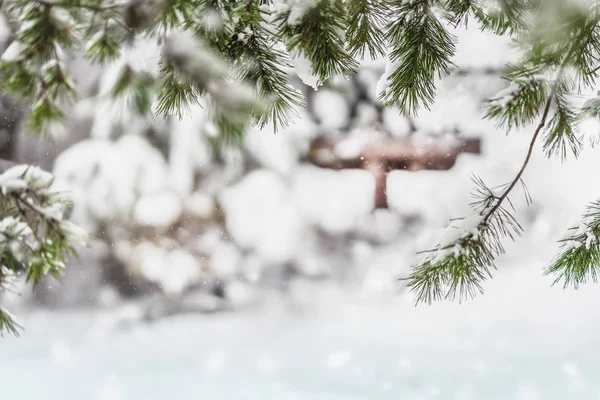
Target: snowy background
254,275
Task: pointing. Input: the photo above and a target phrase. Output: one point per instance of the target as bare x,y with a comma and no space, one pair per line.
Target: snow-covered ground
521,341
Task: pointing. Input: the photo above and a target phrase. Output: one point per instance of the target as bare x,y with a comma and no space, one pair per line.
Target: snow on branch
36,237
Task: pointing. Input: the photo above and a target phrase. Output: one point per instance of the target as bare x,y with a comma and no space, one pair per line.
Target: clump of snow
225,260
304,70
193,58
239,294
21,176
159,210
384,83
295,9
212,20
172,270
450,243
331,109
14,52
333,200
298,9
277,152
245,35
107,178
260,215
351,146
11,227
61,18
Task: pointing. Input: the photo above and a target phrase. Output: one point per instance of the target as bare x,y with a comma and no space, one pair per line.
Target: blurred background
273,270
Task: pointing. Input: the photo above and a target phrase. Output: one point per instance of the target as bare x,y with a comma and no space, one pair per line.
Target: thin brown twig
536,134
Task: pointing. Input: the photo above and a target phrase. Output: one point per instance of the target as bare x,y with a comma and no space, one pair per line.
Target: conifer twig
534,138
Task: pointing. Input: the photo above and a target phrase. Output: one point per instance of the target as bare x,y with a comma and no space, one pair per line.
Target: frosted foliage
14,52
225,260
333,200
384,83
331,109
239,293
111,112
261,215
185,150
195,59
109,177
160,210
172,270
304,70
276,152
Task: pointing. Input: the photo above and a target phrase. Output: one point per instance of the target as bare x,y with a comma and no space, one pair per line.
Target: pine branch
315,31
580,252
365,21
460,263
421,50
8,323
35,237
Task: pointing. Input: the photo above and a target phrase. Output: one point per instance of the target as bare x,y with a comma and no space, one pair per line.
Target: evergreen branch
315,31
421,49
365,20
254,49
8,323
175,95
580,253
507,16
464,259
35,238
538,130
561,134
459,10
520,103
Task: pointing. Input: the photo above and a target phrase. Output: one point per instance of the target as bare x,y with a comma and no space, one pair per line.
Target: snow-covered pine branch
538,88
36,237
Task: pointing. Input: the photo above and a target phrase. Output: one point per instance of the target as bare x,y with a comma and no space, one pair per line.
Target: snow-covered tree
234,58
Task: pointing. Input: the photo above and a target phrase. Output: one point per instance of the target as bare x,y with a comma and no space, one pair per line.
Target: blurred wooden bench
387,154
